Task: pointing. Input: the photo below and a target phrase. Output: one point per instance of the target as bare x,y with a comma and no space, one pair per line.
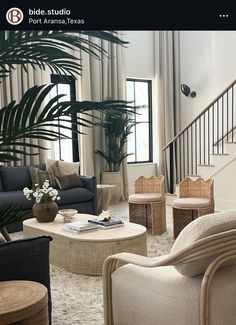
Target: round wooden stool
23,303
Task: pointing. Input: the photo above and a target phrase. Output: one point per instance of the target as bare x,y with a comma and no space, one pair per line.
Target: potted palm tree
117,127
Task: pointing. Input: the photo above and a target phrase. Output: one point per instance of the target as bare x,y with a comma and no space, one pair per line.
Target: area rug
77,299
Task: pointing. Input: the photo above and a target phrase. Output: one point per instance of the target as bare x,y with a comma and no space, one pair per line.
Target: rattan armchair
196,198
189,286
147,205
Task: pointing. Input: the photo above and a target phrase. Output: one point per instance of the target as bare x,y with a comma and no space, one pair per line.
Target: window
140,141
66,149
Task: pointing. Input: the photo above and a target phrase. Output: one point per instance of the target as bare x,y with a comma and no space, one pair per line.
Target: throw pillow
200,228
69,181
39,176
61,168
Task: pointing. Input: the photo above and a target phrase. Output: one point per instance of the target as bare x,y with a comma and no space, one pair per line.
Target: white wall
208,66
139,54
139,57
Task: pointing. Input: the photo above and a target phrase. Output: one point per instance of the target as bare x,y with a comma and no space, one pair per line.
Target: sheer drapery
167,81
102,79
13,88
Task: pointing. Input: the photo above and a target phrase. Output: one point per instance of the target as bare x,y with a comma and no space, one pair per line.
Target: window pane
130,91
64,89
141,93
66,150
131,146
143,114
139,141
142,141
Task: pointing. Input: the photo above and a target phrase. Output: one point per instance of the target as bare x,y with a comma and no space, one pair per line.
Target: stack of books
79,227
106,224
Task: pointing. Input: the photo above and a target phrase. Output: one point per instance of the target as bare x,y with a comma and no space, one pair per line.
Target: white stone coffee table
85,253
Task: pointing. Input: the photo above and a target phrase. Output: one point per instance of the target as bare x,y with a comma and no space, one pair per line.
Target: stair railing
205,135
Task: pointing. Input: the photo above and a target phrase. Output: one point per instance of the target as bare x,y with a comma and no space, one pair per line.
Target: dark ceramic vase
45,212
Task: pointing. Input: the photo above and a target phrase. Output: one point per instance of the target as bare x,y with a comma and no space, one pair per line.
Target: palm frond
23,120
50,49
11,213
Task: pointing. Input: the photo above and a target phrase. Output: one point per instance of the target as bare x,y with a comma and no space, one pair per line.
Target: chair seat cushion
191,202
161,295
145,197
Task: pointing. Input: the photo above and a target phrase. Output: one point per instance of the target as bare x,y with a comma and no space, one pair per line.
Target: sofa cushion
15,197
74,195
1,186
16,178
69,181
61,168
198,229
39,176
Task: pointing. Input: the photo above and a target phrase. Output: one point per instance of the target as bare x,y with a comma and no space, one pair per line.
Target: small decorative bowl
67,214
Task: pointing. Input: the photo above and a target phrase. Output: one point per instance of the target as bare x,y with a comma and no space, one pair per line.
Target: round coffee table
85,253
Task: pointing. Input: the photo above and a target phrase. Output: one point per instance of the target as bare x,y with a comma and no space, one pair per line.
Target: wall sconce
187,91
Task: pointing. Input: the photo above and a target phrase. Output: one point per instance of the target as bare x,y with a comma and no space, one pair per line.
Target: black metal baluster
196,147
200,142
183,156
217,126
171,164
222,104
204,139
191,138
209,147
227,116
213,129
187,144
232,113
180,160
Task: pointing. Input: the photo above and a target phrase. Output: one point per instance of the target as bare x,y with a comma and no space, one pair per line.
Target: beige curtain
13,88
167,79
102,79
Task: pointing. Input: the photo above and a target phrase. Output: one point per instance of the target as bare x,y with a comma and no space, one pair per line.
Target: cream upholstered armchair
195,284
196,198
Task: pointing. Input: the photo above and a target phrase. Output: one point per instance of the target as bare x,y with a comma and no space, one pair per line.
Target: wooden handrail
199,115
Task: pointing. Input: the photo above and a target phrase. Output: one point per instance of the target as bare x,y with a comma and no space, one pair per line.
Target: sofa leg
5,234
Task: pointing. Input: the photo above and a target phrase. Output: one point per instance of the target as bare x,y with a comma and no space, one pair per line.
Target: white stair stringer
218,161
223,171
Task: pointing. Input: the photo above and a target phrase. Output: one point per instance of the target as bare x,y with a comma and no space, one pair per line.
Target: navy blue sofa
14,179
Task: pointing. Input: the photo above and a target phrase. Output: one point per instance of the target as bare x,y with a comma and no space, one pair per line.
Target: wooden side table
152,215
104,194
182,217
23,303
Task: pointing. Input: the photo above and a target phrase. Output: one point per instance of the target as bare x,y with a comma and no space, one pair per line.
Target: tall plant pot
45,212
114,178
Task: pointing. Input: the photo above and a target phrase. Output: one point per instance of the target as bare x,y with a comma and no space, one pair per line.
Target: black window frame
150,122
69,80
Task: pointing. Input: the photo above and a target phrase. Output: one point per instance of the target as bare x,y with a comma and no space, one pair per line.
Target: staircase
206,147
